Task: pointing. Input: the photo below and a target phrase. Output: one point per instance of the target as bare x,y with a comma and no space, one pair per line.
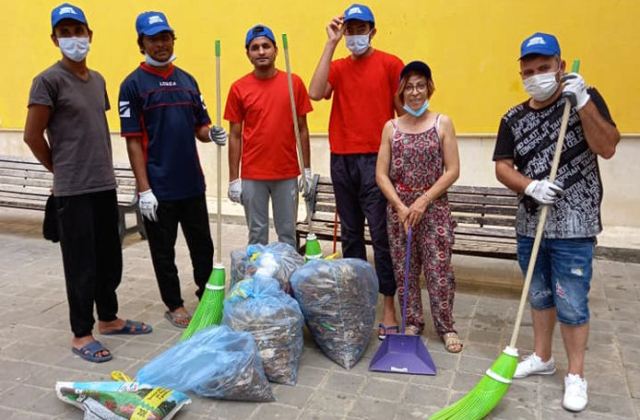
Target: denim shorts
562,276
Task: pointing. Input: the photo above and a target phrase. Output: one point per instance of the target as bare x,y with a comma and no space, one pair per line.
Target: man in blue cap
364,87
69,101
263,160
523,154
161,111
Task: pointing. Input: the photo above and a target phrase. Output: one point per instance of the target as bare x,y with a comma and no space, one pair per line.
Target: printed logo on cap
537,40
66,10
155,19
354,10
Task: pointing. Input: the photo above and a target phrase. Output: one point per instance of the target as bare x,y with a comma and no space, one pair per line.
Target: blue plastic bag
215,362
274,318
338,299
277,260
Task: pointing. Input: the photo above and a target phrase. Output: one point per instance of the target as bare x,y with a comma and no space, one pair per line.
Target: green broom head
487,393
312,250
209,310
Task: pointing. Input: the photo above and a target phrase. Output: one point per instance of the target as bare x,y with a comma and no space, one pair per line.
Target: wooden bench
485,218
26,184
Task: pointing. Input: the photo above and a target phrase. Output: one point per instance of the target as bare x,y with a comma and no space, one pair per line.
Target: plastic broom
487,393
209,310
312,247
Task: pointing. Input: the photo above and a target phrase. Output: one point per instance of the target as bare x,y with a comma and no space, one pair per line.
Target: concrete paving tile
381,389
331,402
374,409
345,383
510,409
296,396
233,410
200,405
414,411
632,373
276,411
16,371
442,379
465,381
425,395
311,376
24,397
310,414
315,358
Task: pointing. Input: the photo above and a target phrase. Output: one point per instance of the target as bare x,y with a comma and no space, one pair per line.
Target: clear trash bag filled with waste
338,299
215,362
277,260
259,306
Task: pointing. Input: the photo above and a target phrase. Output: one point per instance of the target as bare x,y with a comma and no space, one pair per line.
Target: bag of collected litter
215,362
260,307
278,260
121,400
338,299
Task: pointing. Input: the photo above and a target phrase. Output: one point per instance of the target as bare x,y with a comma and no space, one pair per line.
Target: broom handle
219,157
296,129
407,262
543,216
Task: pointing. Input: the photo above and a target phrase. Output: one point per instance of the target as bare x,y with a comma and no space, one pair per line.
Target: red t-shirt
363,91
263,108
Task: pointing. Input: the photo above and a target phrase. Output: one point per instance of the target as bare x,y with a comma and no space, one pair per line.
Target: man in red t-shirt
364,87
262,141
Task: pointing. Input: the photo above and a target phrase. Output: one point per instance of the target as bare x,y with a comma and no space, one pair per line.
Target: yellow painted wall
472,47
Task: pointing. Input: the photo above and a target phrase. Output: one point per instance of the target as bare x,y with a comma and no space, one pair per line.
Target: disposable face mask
541,86
74,48
357,44
155,63
419,111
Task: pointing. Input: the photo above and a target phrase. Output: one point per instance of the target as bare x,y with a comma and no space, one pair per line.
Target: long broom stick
209,310
294,113
486,395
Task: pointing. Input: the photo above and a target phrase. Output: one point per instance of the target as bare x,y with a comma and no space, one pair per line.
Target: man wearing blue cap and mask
364,88
161,111
69,101
523,154
263,160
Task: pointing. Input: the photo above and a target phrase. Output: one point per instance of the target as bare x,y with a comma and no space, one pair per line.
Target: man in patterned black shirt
523,153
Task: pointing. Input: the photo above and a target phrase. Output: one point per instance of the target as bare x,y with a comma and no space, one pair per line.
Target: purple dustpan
400,353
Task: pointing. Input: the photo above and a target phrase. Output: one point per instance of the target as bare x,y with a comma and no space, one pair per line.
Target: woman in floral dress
417,162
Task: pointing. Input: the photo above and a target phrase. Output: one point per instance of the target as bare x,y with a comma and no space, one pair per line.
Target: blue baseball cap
359,12
67,11
151,23
540,43
258,31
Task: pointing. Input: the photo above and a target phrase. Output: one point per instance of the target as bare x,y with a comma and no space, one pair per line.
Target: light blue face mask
417,113
155,63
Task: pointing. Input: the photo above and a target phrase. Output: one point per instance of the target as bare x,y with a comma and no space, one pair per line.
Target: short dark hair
141,37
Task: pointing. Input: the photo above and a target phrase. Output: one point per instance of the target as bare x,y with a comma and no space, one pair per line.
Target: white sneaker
575,393
533,365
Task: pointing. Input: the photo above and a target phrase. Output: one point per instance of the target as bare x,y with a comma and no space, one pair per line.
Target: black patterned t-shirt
529,136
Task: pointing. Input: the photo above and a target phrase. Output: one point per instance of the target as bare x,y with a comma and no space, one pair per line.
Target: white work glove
308,175
575,90
235,190
218,135
148,205
544,192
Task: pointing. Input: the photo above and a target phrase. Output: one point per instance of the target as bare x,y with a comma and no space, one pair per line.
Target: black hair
141,37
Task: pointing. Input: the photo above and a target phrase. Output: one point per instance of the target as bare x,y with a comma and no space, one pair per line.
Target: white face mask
541,86
357,44
74,48
155,63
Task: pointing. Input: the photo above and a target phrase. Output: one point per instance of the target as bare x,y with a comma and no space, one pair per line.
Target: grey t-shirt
78,132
